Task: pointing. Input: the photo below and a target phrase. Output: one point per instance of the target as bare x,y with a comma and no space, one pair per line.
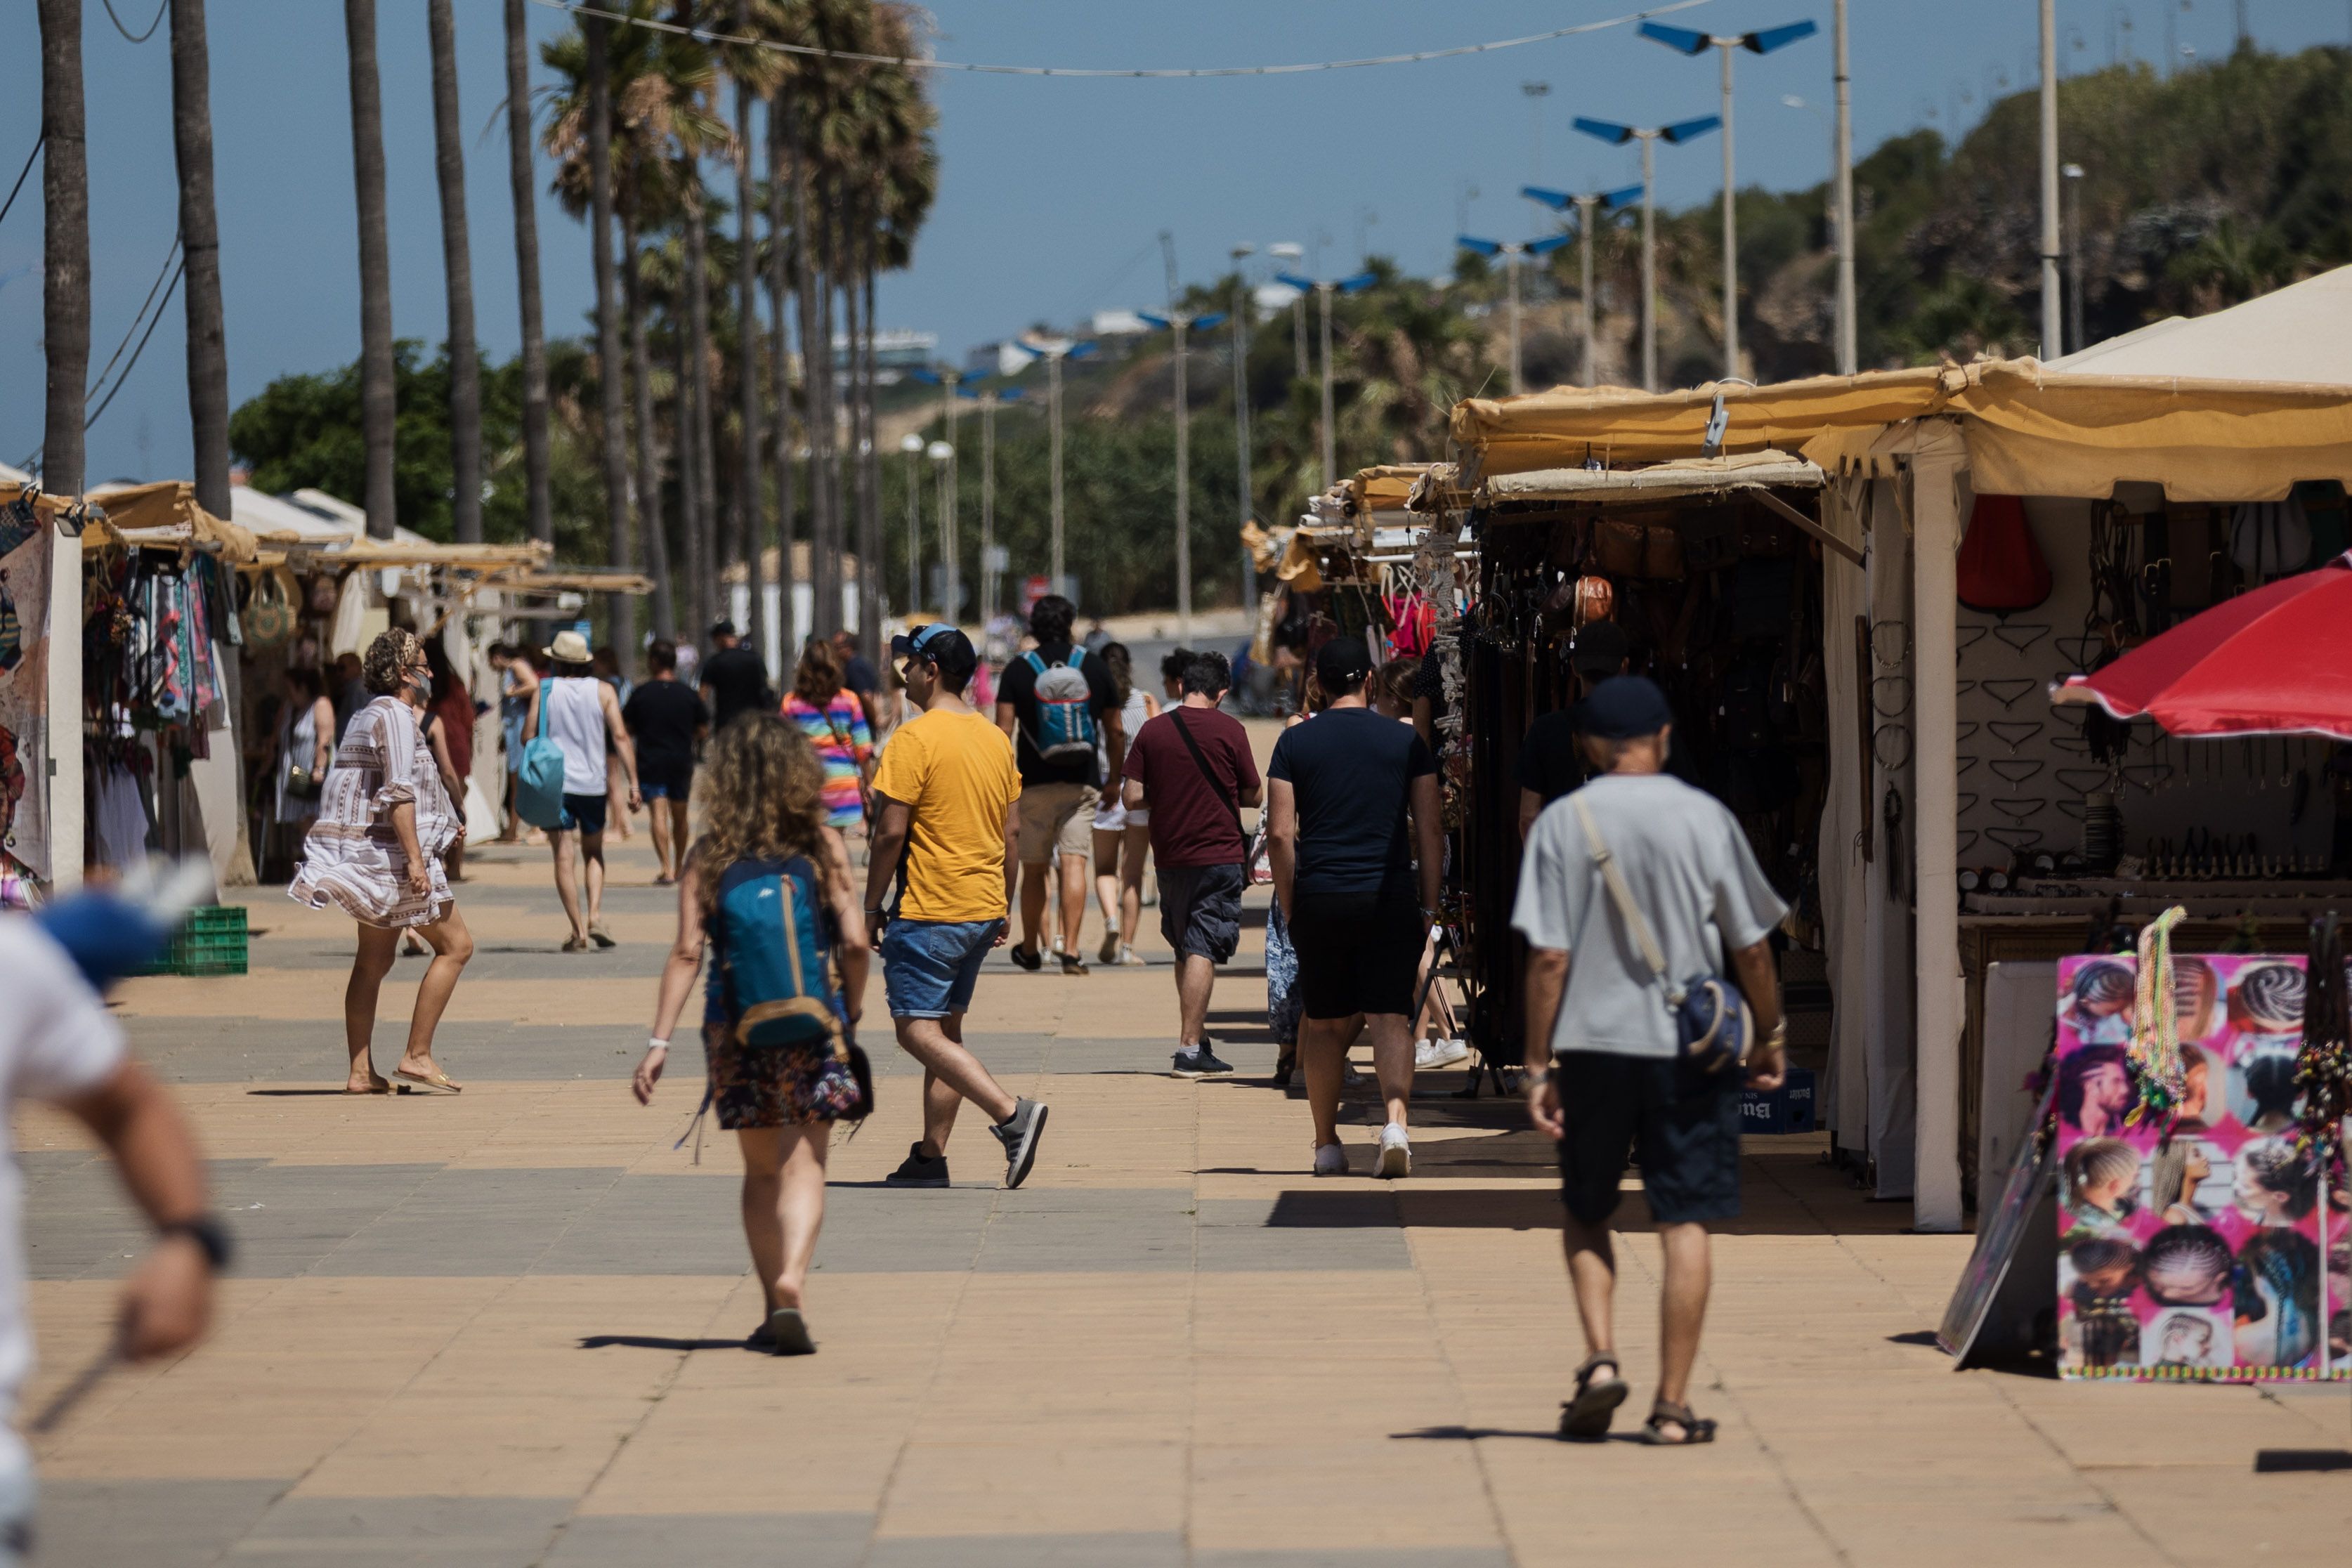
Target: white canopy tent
2299,333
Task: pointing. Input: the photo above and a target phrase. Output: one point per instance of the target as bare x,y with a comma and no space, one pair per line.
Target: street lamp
1618,135
912,445
1841,179
1240,254
1054,353
1537,92
1179,322
991,556
1323,293
1585,203
2073,176
1294,253
942,457
1510,251
1759,43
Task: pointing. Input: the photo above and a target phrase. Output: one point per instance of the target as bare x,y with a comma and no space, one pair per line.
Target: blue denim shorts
583,813
929,968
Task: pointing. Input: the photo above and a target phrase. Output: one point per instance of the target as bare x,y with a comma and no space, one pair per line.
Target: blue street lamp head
1202,323
1609,130
1678,38
1359,283
1078,351
1156,323
1547,244
1033,352
1481,246
1612,200
966,389
1683,130
927,376
1558,201
1770,38
1303,285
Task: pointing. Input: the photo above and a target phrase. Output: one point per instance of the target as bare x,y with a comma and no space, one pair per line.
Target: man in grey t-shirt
1605,1073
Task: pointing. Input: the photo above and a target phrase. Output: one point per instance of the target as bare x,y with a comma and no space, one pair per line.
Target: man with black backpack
1054,701
1192,768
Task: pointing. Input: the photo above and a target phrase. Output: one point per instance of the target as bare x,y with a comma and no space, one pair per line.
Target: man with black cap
1357,890
1606,1072
734,677
1550,762
946,797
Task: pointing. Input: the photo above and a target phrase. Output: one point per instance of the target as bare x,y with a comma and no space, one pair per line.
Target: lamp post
990,564
1840,197
1760,43
1240,254
1178,322
2075,338
912,445
1618,135
1323,291
1054,353
1849,324
1294,253
2052,334
942,457
1510,251
1586,203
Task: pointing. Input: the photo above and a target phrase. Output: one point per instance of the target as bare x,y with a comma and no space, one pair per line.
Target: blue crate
1791,1107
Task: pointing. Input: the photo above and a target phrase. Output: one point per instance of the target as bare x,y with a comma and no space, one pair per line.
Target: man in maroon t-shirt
1192,768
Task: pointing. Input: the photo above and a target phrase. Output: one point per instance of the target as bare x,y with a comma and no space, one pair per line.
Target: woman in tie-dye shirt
835,722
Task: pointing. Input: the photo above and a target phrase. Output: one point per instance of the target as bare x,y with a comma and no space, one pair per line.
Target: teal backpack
773,942
538,776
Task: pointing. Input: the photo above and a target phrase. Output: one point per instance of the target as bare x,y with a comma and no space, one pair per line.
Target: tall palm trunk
869,475
537,502
641,392
850,468
694,598
747,377
709,600
816,388
789,632
458,262
616,433
378,411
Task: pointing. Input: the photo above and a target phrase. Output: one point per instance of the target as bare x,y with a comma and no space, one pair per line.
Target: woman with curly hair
765,816
384,823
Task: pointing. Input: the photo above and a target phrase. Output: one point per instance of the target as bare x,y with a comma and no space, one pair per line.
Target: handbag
269,612
1620,546
302,784
538,776
1711,1018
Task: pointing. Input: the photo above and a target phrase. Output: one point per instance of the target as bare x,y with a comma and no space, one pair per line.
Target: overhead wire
170,256
39,142
918,62
157,320
138,38
142,327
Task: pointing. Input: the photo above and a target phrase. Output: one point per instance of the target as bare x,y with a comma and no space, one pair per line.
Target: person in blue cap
1606,1070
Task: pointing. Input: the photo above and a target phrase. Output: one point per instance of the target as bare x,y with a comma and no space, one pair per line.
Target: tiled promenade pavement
503,1329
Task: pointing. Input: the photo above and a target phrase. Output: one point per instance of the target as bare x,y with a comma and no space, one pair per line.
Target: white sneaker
1331,1159
1130,959
1396,1153
1440,1052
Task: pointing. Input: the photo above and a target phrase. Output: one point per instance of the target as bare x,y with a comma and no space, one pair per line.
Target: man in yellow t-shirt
945,798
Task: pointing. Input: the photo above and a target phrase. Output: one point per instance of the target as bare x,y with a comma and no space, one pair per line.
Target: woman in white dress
1123,837
384,821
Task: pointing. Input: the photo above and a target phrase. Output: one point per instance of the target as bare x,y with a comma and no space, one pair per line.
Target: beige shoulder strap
1622,896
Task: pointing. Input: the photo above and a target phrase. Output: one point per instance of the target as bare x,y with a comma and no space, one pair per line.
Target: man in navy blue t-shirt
1354,836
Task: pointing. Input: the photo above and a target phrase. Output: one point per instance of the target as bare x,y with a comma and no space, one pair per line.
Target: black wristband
207,1232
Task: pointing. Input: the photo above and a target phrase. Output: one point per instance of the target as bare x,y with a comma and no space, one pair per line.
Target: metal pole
1241,428
914,531
987,509
1330,459
2076,339
1183,494
952,597
1584,209
1511,264
1054,397
1848,351
1730,231
2053,343
1299,333
1649,263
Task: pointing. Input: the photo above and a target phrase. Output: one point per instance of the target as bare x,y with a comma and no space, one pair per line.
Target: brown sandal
1665,1412
1586,1417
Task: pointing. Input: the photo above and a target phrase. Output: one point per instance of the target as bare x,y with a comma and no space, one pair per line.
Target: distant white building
1120,325
896,352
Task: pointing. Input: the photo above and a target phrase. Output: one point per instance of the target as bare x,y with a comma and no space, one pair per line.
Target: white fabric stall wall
1843,874
1885,952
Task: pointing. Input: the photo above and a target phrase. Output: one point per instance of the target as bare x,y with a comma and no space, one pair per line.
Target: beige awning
1659,481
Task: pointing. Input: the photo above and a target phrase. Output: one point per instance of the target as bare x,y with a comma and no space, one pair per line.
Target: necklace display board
2203,1243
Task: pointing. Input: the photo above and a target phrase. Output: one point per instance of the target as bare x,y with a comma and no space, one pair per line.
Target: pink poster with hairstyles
2211,1254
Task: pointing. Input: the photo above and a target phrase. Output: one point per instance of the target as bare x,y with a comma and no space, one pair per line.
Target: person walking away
766,849
665,719
1053,700
1351,795
1190,768
606,665
734,677
945,801
1551,759
449,726
306,750
384,820
863,682
351,692
1678,890
60,1046
1123,837
579,714
834,720
516,682
453,782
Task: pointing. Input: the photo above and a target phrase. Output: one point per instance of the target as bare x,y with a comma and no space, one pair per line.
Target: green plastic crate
210,942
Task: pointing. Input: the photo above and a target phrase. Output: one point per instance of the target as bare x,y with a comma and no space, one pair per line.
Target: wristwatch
207,1232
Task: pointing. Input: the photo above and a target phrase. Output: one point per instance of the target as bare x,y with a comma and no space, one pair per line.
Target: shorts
1057,817
929,968
665,779
764,1086
1680,1125
1200,909
584,813
1358,952
1112,814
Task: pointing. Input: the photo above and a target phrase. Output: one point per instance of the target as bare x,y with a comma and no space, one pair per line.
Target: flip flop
575,945
439,1080
371,1089
790,1333
1586,1417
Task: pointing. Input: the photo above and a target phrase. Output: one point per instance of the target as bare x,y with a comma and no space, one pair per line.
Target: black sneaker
1019,1133
1025,958
1071,963
1200,1062
919,1170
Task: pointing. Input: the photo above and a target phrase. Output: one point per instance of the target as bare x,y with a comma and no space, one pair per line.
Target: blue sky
1054,192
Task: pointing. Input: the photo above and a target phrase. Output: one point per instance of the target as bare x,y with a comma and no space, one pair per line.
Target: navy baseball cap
940,643
1341,665
1624,708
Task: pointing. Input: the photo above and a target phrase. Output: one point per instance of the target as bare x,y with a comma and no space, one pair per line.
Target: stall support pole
65,781
1940,997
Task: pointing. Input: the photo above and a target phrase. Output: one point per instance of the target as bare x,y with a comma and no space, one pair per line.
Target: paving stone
713,1541
424,1531
148,1524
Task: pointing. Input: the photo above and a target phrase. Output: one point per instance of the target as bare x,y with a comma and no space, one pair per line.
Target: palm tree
379,412
641,391
458,263
779,365
537,504
756,73
615,425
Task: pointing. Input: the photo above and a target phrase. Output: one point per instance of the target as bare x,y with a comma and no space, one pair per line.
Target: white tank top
575,721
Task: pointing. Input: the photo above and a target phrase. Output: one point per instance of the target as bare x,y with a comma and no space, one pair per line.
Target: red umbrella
2276,661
